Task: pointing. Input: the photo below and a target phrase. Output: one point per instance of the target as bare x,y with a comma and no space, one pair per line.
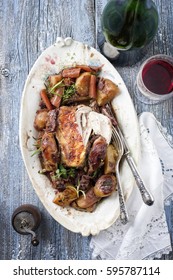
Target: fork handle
123,211
146,196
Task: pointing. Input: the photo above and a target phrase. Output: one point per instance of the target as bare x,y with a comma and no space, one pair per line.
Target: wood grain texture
27,27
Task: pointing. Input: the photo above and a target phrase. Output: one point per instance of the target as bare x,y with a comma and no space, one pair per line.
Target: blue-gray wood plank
27,27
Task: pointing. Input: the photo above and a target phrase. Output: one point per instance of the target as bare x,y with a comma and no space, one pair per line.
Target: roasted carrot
71,72
45,99
56,99
93,87
90,68
85,68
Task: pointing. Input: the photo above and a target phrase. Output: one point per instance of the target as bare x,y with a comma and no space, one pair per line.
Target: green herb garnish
61,172
38,147
64,173
72,172
58,85
38,151
69,92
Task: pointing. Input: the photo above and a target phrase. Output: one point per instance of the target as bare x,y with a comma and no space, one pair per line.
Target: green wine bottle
129,24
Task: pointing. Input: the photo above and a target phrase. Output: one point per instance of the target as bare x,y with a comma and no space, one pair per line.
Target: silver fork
119,148
145,194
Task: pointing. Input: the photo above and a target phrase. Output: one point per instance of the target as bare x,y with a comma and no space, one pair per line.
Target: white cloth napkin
146,236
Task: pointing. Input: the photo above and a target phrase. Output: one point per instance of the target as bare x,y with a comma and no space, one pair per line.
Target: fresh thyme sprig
37,151
69,92
37,145
57,85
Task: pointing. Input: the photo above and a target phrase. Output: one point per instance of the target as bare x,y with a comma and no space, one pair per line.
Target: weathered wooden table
27,27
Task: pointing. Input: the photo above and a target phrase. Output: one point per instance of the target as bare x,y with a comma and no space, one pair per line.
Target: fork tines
116,138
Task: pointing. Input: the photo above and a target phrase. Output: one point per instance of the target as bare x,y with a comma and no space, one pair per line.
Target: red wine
157,76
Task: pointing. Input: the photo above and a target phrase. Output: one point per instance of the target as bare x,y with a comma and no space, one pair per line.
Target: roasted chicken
74,137
70,140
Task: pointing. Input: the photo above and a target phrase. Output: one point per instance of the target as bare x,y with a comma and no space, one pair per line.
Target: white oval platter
67,52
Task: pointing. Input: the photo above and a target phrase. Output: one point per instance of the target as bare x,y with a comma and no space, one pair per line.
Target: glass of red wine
154,82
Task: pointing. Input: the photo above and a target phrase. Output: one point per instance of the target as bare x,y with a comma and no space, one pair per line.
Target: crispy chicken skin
73,150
